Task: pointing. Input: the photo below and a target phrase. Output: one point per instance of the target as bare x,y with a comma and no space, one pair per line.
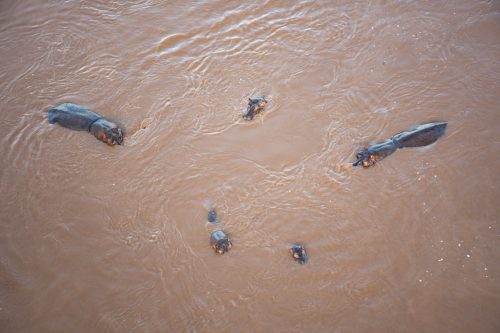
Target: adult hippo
79,118
419,136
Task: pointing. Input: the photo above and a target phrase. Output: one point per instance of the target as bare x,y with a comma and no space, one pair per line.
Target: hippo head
107,132
254,106
222,246
298,253
365,158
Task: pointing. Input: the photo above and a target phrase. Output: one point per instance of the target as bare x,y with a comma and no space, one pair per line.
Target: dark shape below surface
213,216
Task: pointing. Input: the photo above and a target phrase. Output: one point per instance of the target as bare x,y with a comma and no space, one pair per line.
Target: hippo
213,216
79,118
298,252
219,241
419,136
254,107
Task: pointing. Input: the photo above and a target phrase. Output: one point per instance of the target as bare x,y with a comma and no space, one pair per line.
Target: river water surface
115,239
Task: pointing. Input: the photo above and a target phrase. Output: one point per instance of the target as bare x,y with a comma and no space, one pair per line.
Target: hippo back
420,136
72,116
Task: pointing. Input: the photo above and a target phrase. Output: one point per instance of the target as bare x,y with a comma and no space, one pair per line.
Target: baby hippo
419,136
79,118
298,252
254,107
220,242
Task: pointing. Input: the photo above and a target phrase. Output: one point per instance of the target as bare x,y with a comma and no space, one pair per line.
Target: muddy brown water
115,239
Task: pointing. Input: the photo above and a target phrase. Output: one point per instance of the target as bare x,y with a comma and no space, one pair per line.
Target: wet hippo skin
419,136
220,242
213,216
255,106
79,118
298,252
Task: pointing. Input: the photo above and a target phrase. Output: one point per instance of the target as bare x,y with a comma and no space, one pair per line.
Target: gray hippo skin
220,242
419,136
298,252
79,118
213,216
254,107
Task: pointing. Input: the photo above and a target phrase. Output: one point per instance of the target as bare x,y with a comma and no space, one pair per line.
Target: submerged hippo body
219,241
298,252
79,118
254,107
213,216
419,136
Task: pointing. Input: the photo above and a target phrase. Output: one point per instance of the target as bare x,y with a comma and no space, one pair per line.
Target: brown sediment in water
100,239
